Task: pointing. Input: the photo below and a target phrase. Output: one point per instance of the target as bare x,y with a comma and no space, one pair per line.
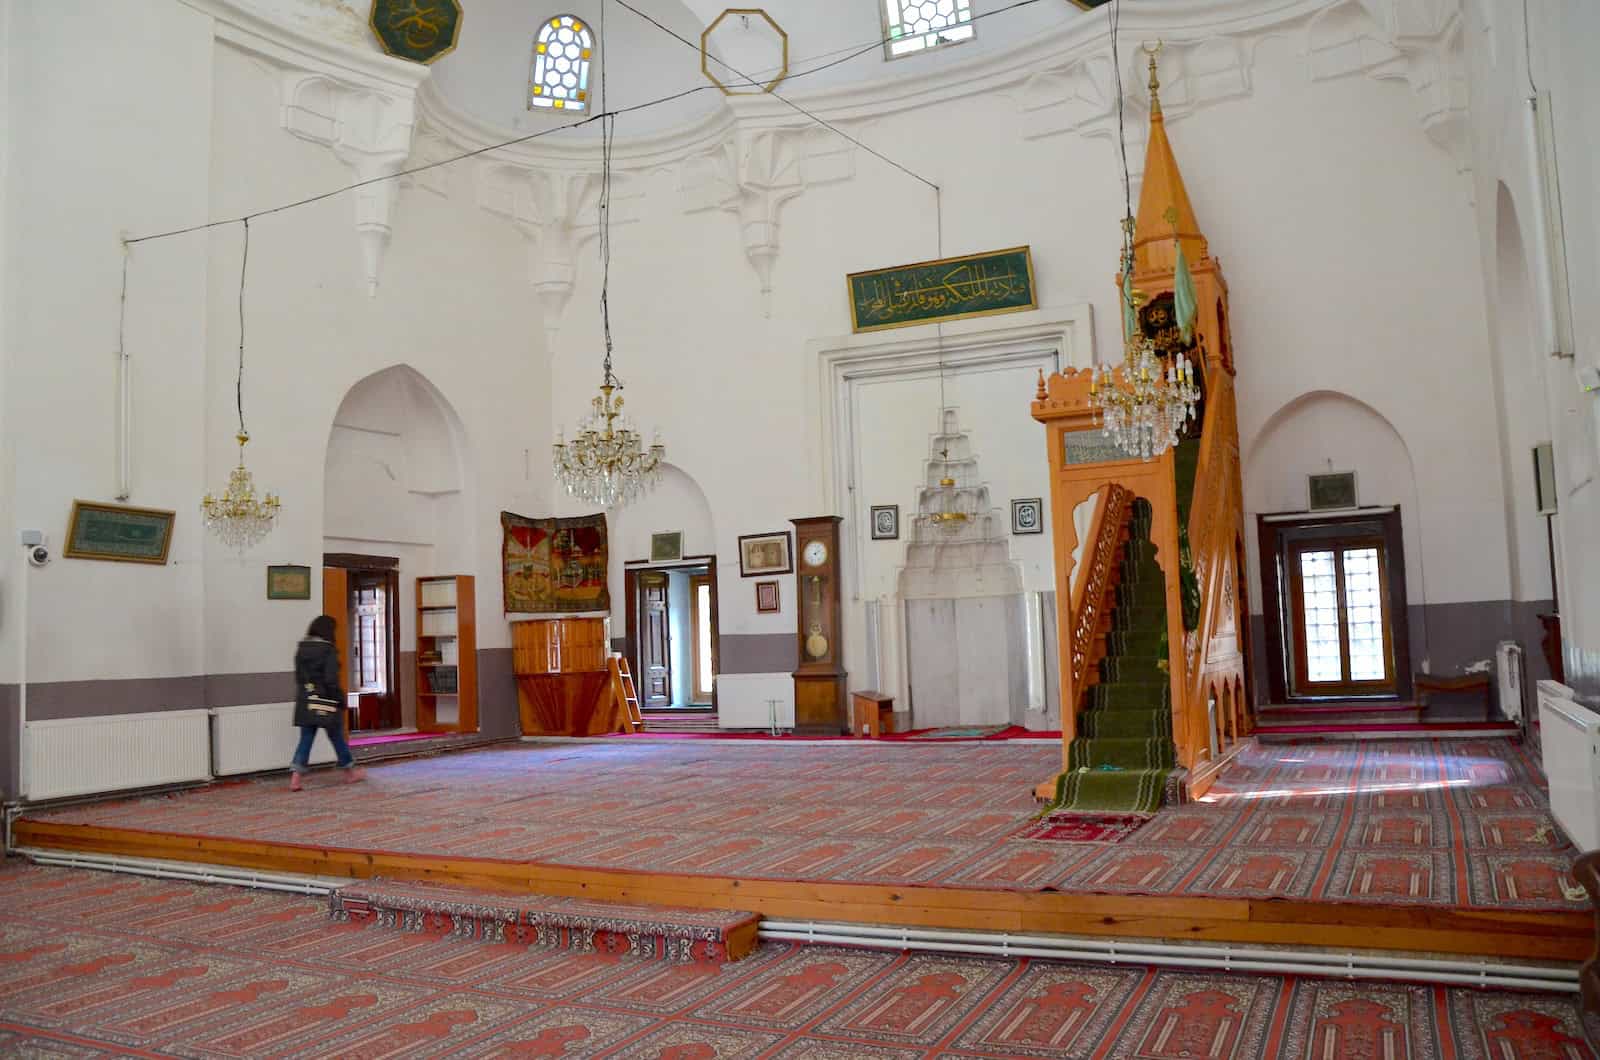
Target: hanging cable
607,137
238,389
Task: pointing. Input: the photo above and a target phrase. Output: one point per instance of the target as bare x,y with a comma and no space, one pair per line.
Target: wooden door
336,602
655,641
1340,616
702,599
374,648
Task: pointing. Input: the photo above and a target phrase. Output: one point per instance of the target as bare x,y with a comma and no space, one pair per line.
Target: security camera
38,555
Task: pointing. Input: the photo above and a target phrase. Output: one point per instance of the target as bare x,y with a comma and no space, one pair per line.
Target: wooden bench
872,714
1422,684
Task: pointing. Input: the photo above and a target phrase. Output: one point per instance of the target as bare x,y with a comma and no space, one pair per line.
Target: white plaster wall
102,142
1505,64
1324,227
1324,432
453,305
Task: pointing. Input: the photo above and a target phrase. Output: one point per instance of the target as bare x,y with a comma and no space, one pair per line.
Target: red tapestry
554,566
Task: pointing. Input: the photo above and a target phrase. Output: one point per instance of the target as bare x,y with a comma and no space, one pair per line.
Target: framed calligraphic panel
950,289
118,532
420,32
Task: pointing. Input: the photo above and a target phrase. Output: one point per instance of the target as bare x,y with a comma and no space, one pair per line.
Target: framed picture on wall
288,582
118,532
765,554
885,522
666,548
1335,490
767,597
1027,515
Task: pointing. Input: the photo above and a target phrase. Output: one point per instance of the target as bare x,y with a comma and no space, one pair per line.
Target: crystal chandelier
238,517
606,463
1144,403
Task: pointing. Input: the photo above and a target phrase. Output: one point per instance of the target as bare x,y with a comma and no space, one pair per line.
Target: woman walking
319,701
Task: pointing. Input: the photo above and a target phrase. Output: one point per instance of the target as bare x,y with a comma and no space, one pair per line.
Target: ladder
624,694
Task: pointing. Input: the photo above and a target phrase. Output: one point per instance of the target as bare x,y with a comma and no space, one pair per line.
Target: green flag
1183,298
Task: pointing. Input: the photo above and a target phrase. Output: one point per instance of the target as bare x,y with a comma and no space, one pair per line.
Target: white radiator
258,737
743,701
1508,669
83,756
1569,734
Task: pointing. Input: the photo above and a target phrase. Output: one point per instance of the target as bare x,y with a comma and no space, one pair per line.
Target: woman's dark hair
322,626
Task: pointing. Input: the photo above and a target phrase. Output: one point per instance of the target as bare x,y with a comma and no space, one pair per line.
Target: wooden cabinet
447,655
563,682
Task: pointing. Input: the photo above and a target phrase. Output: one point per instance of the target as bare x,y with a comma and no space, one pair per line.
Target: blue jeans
308,736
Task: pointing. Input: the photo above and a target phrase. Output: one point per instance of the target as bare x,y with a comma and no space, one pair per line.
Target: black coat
316,671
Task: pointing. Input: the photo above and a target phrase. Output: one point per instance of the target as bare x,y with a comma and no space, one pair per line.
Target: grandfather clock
819,705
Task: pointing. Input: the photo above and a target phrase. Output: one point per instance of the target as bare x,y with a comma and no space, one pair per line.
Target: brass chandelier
238,518
606,463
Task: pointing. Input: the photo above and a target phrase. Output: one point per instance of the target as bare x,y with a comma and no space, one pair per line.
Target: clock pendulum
816,643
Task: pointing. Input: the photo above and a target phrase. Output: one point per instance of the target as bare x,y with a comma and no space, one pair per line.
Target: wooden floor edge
1476,931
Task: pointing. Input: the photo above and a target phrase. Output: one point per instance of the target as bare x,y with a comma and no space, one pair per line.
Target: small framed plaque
885,522
288,582
1027,515
1331,491
767,597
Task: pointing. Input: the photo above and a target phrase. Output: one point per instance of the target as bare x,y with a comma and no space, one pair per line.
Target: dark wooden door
655,642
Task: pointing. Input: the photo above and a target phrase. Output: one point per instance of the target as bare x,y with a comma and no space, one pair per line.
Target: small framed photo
118,532
767,597
1027,515
765,554
666,548
1326,492
288,582
885,522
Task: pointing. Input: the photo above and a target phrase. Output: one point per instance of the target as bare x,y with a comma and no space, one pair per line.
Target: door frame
389,566
630,592
1277,534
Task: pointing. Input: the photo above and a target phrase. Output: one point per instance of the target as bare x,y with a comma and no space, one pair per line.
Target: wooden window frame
1277,534
1346,685
697,618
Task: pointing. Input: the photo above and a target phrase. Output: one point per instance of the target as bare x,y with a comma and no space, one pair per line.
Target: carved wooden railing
1215,514
1090,595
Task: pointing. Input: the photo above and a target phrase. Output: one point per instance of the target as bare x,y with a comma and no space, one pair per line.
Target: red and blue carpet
102,966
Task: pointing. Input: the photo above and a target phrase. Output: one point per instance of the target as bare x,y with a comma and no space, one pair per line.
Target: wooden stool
872,714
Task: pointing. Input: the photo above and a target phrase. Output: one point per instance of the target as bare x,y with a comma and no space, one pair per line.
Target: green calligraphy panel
951,289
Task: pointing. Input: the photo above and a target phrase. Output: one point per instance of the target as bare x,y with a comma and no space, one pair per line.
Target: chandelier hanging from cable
1145,402
606,462
238,518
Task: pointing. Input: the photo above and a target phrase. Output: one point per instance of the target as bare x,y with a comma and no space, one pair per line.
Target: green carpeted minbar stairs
1123,751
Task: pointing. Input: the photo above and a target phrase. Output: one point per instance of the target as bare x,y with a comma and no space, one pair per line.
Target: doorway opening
363,593
672,639
1333,589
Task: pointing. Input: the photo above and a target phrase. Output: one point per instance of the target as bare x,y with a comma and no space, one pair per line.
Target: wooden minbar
563,678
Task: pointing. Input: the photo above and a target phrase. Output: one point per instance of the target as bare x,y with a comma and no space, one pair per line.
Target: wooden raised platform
1513,934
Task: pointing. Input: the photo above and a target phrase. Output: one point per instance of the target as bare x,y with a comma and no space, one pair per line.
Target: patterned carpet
1444,822
96,965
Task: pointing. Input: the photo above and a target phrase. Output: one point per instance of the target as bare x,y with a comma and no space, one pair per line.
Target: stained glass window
917,25
561,58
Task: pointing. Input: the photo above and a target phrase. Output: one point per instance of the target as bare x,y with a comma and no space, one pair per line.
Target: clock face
816,554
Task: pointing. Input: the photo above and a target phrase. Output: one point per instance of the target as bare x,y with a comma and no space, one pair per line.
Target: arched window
561,58
917,25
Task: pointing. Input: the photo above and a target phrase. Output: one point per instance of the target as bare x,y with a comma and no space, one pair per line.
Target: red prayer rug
1084,827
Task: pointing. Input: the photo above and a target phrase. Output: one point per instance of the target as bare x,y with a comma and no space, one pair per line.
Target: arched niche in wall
677,504
394,475
1319,432
1520,408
